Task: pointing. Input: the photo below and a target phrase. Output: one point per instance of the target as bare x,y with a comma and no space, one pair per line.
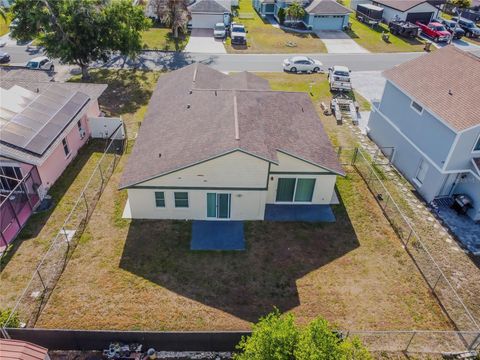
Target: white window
417,107
65,147
421,172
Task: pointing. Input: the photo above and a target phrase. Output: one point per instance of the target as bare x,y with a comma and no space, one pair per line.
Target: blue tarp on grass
306,213
217,235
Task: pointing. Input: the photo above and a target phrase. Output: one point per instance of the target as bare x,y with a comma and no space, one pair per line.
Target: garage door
206,21
423,17
327,22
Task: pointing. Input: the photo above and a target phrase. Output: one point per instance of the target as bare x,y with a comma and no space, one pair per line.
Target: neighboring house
206,13
409,10
326,15
320,14
215,146
43,125
433,122
22,350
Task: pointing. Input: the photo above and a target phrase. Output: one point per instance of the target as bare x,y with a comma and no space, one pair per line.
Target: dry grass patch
141,274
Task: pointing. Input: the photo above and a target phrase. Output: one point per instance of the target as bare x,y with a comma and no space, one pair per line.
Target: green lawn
371,38
162,39
4,25
264,38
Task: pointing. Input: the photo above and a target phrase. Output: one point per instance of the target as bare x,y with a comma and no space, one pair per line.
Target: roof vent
38,90
159,155
450,92
190,92
188,106
302,109
215,92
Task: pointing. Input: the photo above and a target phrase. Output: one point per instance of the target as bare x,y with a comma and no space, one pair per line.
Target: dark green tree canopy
81,31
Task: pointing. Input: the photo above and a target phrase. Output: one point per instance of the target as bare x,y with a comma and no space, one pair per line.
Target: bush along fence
45,277
439,284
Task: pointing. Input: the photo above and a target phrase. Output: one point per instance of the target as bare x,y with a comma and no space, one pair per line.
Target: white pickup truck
339,78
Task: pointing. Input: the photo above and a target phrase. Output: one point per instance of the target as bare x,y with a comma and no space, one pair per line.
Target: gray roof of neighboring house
401,5
208,6
196,112
445,82
32,122
17,73
327,7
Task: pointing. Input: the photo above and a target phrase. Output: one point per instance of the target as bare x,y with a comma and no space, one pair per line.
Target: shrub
281,15
275,337
4,319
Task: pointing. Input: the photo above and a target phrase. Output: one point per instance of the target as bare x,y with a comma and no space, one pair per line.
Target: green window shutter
304,192
285,189
181,199
211,205
159,199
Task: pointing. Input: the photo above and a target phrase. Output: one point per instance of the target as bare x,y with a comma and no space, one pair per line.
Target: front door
218,205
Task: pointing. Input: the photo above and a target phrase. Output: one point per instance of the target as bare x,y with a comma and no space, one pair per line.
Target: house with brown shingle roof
226,147
430,114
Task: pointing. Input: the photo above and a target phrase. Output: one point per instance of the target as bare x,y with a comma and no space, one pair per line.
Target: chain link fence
439,284
45,277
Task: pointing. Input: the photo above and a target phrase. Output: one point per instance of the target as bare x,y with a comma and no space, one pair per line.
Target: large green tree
173,13
461,3
80,32
276,337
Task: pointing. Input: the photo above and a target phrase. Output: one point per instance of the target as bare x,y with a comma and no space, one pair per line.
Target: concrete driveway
202,41
338,42
369,84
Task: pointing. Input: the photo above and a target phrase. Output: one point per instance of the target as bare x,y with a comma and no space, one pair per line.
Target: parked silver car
302,64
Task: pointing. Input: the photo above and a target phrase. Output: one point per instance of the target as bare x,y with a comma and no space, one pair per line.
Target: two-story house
430,114
227,147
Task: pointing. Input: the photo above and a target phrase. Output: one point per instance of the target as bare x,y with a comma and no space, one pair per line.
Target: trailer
344,109
403,28
369,14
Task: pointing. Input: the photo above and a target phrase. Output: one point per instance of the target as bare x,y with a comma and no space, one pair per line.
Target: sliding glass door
218,205
295,190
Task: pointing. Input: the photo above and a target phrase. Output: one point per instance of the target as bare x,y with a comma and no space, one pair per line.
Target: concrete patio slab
217,235
202,41
369,84
464,228
338,42
303,213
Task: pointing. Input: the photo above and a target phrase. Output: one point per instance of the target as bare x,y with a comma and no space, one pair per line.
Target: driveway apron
202,41
338,42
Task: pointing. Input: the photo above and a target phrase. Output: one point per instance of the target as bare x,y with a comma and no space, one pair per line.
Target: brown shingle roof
327,7
401,5
446,82
191,118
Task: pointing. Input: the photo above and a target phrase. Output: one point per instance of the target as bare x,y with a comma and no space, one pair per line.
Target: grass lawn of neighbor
141,274
262,37
162,39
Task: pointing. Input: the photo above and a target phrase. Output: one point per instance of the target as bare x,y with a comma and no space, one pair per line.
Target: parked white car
302,64
41,63
339,78
219,31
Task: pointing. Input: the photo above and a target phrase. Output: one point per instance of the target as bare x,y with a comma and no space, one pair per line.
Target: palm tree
3,13
295,11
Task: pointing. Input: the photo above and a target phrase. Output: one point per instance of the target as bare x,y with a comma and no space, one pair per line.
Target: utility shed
407,10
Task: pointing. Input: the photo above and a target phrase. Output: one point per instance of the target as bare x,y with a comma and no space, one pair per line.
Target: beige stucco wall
235,169
246,205
242,175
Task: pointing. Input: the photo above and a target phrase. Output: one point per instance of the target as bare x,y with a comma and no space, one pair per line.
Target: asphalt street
156,60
